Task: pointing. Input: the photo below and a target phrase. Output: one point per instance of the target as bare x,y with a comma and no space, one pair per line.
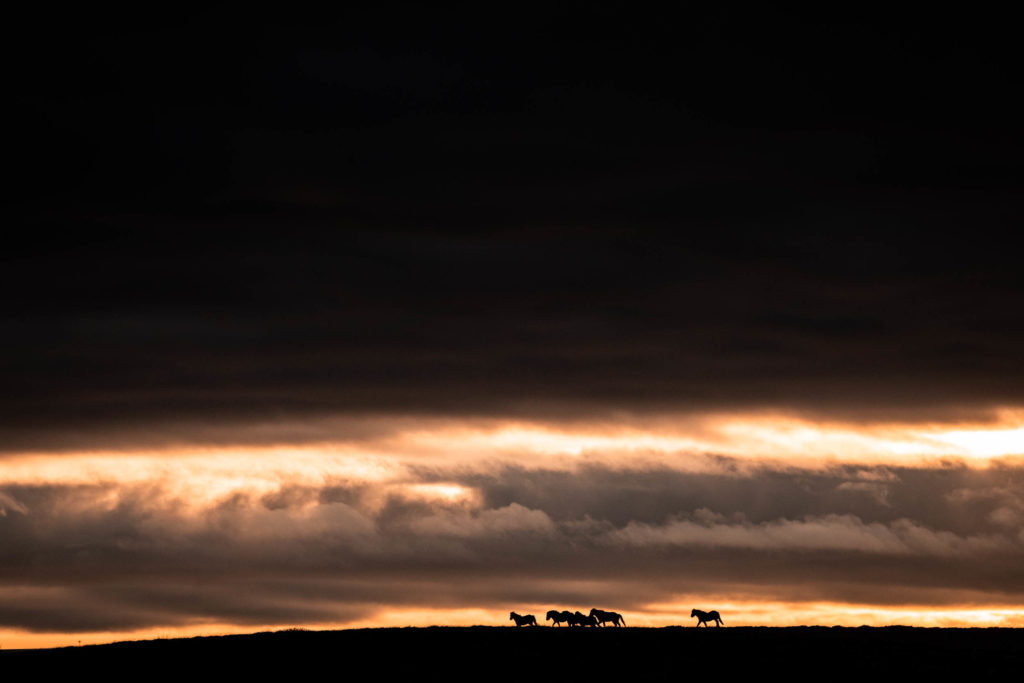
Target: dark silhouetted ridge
507,653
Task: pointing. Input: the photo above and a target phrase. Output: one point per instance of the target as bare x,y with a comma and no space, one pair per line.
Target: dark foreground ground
483,654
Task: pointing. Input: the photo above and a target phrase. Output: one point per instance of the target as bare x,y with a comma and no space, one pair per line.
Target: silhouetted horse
603,616
584,620
521,619
558,617
705,617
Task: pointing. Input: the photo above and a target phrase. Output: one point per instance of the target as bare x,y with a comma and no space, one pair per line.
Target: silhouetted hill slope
484,654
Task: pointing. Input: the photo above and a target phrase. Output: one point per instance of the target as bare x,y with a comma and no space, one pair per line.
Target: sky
415,316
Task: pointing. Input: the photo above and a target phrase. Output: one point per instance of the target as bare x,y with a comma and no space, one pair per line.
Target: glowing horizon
743,614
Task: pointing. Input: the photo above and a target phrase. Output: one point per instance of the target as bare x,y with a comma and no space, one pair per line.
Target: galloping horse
558,617
603,616
584,620
521,619
705,617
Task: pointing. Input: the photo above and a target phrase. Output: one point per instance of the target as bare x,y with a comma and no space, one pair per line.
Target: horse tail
622,619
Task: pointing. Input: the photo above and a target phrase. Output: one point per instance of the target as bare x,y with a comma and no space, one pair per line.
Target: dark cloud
124,556
579,213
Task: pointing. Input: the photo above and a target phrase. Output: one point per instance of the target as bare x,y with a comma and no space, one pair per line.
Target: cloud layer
122,556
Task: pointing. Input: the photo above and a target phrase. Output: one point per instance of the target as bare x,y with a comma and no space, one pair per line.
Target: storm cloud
370,218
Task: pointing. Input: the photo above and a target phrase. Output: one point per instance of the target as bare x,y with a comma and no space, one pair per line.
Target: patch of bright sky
211,473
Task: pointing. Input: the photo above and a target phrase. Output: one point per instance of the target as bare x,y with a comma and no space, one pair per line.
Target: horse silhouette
603,616
584,620
557,617
521,619
705,617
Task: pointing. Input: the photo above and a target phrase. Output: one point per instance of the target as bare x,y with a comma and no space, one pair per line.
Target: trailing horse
521,619
603,616
705,617
558,617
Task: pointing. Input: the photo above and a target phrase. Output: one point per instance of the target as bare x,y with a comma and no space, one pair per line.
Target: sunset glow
339,493
387,318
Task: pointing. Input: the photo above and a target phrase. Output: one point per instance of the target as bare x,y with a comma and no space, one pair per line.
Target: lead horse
705,617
